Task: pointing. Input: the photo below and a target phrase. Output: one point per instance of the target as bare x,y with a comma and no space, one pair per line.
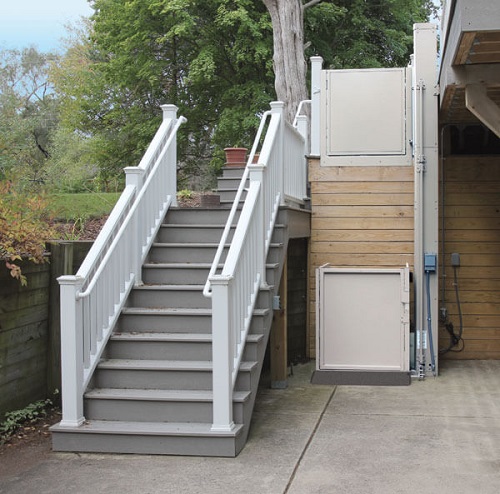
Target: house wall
362,216
472,229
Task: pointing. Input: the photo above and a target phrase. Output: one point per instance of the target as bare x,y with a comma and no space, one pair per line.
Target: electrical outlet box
455,259
430,263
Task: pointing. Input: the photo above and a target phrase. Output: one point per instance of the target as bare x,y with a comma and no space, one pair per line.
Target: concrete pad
437,436
282,426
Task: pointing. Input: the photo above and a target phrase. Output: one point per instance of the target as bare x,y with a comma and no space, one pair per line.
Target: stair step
207,216
167,311
158,405
159,394
192,233
192,365
162,337
182,296
168,346
184,252
164,374
195,273
174,337
229,183
229,194
106,436
176,273
151,346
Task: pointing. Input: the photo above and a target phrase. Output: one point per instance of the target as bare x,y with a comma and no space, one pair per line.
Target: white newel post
222,354
278,108
135,176
71,351
316,67
302,127
170,112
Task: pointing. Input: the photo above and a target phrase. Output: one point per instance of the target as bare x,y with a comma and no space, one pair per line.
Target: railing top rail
299,110
207,290
111,235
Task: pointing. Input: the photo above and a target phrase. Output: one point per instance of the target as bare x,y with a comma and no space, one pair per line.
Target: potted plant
236,156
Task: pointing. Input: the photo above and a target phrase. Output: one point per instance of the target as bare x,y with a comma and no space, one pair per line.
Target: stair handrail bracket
91,301
235,284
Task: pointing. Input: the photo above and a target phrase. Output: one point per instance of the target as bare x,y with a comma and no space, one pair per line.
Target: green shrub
15,419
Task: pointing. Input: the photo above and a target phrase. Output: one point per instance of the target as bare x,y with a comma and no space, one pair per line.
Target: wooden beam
484,108
279,361
464,47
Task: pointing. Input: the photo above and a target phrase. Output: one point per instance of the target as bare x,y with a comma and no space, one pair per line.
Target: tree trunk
288,60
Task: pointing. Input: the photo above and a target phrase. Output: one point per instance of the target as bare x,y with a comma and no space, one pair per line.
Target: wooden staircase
151,392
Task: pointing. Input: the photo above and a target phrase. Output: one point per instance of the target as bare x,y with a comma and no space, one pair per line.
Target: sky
38,22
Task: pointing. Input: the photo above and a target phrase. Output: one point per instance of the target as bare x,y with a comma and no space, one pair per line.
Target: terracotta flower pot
236,156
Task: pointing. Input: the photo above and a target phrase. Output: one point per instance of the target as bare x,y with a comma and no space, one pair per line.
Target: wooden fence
29,327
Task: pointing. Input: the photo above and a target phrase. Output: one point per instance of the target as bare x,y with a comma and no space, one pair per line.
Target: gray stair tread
211,245
156,364
200,265
168,337
165,310
177,311
196,226
188,244
160,395
171,337
180,288
190,264
148,428
181,365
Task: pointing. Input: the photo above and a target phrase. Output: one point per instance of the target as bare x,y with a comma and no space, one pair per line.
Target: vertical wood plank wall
472,229
361,217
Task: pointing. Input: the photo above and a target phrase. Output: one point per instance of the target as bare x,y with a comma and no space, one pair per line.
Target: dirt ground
28,445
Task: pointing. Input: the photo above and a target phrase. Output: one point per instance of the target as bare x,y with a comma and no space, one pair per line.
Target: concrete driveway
441,435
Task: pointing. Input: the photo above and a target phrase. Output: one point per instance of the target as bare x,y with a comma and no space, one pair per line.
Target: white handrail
234,291
94,298
207,290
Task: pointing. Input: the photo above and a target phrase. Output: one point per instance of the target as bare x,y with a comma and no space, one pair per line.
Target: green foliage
364,33
80,207
24,229
185,194
15,419
73,122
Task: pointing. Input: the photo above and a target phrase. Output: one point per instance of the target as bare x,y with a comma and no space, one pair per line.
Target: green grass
82,206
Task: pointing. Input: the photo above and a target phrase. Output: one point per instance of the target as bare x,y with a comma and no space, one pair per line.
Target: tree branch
311,3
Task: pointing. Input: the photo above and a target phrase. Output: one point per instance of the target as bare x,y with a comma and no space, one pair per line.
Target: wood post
279,363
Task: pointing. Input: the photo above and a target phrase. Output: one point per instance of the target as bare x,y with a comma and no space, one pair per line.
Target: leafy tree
28,113
213,59
210,58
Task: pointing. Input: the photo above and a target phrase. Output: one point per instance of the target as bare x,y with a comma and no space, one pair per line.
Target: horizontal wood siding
361,217
472,229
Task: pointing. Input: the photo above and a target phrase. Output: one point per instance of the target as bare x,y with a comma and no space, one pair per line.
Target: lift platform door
363,318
